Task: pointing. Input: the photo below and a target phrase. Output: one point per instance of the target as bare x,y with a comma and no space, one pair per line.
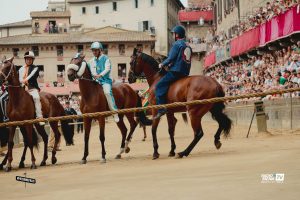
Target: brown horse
185,89
21,107
93,100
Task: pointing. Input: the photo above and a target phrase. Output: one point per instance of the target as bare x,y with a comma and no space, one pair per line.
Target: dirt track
233,172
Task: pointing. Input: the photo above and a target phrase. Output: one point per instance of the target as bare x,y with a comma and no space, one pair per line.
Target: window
219,11
41,73
121,49
145,25
122,70
16,52
35,50
60,73
152,2
97,9
105,49
136,3
114,6
60,50
118,26
83,10
79,48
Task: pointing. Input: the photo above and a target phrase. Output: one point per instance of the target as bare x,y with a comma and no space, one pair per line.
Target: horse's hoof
179,155
33,167
1,167
103,160
8,169
218,144
127,150
53,160
21,165
83,162
155,156
144,139
171,154
43,163
118,156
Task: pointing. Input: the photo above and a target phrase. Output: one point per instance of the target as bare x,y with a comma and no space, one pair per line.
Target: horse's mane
151,61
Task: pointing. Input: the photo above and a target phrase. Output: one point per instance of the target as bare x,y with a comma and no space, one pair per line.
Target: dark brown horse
185,89
21,107
94,100
4,132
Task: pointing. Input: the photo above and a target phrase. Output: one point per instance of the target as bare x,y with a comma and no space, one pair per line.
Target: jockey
177,65
28,75
100,67
3,101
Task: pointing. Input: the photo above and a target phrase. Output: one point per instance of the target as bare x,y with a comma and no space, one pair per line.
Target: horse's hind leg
133,125
21,164
123,130
172,123
43,134
54,127
87,130
29,132
217,142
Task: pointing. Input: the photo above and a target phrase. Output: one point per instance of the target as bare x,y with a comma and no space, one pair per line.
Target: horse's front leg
10,148
102,138
87,130
172,123
154,135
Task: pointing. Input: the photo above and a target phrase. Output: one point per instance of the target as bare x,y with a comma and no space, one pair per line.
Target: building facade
156,17
17,28
54,51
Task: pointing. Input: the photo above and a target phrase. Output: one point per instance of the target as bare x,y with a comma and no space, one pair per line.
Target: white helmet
96,45
29,54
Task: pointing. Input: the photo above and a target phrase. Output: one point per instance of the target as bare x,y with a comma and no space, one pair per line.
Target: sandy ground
233,172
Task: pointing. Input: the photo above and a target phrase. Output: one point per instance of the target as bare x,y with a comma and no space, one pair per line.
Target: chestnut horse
186,89
21,107
94,100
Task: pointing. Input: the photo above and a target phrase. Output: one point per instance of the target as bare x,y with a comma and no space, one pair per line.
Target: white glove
160,65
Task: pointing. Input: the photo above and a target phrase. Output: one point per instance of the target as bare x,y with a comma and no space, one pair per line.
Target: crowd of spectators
275,70
261,15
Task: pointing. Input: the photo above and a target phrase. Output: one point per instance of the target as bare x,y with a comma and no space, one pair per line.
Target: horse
186,89
94,100
4,132
21,107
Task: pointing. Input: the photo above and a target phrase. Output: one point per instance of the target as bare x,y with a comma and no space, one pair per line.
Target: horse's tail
141,115
184,117
67,131
217,113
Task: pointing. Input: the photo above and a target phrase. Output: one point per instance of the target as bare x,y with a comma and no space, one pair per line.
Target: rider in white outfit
28,75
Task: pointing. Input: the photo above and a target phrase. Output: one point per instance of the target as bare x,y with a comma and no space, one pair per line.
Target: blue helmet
96,45
179,30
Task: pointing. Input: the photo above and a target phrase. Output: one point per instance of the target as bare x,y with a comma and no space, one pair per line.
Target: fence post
260,116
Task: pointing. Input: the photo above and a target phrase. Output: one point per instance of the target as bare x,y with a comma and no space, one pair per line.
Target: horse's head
136,67
6,68
76,68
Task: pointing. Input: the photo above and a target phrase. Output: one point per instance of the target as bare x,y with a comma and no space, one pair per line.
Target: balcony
194,15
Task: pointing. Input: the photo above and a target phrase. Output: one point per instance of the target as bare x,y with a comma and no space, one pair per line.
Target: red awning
193,16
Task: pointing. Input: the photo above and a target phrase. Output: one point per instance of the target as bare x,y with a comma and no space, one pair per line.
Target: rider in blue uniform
177,65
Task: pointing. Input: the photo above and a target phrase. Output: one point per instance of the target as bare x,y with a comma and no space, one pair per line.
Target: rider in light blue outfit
100,67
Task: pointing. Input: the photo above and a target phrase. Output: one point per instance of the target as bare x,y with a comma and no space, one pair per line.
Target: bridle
80,69
10,71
